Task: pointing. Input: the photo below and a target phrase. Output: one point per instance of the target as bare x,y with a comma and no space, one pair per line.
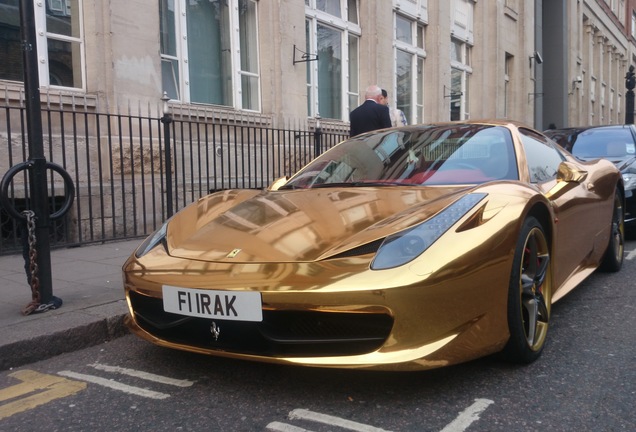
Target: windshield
604,143
425,155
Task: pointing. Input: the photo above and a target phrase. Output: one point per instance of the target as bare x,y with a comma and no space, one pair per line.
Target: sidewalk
88,280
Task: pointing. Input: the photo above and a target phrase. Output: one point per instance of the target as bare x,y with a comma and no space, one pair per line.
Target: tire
529,295
613,257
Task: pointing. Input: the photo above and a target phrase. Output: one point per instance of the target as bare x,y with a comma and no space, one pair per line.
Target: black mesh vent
361,250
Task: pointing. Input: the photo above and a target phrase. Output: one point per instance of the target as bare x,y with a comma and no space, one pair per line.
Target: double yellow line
35,389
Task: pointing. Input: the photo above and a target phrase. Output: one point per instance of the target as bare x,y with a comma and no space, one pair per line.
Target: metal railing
118,164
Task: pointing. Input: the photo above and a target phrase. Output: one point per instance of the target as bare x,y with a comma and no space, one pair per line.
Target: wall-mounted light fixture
304,57
449,93
536,57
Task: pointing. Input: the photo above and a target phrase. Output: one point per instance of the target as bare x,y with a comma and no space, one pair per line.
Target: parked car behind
614,142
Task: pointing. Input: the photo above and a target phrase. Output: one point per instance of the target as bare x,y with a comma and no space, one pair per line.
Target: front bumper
281,333
336,313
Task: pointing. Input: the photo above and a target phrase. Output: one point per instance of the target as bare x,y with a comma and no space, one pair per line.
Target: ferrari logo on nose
215,330
234,253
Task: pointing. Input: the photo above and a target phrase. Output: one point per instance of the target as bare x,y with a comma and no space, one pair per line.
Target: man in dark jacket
371,115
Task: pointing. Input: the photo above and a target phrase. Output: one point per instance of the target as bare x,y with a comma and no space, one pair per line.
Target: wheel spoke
531,256
542,270
543,314
530,304
527,284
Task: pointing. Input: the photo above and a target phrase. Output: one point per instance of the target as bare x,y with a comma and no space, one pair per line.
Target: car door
578,220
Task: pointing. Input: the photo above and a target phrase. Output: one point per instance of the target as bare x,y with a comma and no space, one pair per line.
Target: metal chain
33,264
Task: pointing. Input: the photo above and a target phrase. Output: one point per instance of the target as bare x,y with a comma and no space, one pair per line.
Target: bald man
371,115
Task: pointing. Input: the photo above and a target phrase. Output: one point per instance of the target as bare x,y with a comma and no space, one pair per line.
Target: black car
614,142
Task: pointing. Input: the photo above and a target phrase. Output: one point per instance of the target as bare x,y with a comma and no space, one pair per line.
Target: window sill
14,93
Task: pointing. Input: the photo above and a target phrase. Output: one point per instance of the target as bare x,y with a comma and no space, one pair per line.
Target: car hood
241,226
624,163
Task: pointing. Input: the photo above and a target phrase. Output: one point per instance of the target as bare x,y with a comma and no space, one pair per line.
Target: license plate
227,305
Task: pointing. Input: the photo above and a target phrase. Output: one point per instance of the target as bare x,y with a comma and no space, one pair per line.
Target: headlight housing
158,237
403,247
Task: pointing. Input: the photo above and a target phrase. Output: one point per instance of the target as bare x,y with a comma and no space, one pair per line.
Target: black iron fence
123,186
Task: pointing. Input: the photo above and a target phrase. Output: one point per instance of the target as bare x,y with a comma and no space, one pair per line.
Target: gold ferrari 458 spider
400,249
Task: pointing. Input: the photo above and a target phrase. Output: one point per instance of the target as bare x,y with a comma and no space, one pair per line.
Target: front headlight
403,247
630,181
153,240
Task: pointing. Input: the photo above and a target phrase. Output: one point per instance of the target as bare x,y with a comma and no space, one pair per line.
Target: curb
91,332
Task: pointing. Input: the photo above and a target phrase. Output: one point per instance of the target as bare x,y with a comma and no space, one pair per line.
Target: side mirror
278,183
568,176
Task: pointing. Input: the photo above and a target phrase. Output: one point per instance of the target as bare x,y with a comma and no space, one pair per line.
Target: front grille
281,333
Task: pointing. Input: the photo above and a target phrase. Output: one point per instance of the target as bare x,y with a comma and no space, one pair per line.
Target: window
543,158
602,100
461,41
209,52
459,86
409,40
462,19
332,34
507,85
60,44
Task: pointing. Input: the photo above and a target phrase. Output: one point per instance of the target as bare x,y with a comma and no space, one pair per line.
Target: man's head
374,92
385,97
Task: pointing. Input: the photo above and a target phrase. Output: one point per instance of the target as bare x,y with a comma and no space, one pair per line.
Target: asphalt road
585,381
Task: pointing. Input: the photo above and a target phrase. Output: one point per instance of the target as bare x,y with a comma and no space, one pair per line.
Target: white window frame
183,83
463,65
346,28
611,105
353,92
417,54
42,36
236,43
508,66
